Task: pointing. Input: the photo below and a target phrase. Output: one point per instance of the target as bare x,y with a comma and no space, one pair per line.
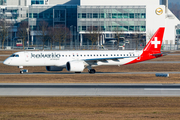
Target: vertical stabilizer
154,45
152,49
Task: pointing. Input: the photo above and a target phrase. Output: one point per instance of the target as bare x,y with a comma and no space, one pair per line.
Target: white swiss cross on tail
155,42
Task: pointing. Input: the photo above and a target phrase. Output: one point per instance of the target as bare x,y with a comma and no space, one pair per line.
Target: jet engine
75,66
54,68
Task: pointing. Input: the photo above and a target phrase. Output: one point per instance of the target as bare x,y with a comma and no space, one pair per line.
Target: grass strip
88,108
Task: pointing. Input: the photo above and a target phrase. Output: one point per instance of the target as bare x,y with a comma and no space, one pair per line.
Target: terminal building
129,17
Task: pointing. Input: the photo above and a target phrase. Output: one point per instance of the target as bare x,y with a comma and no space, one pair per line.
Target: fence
77,46
170,47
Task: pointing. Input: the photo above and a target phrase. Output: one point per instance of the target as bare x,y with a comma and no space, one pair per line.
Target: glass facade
3,2
113,15
41,15
53,15
66,15
108,18
14,14
178,31
37,2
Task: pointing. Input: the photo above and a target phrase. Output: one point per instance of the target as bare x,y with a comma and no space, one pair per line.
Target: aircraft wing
105,59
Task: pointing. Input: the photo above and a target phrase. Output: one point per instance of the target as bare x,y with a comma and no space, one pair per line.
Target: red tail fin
152,49
154,45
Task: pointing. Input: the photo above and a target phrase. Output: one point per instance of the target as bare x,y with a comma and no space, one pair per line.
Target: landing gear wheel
21,71
92,71
78,72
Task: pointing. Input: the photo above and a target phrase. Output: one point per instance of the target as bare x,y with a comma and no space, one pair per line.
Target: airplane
77,61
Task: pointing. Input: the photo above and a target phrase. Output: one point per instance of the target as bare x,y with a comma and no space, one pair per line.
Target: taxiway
15,89
72,73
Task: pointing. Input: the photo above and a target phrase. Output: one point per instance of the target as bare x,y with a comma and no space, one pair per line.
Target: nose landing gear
22,70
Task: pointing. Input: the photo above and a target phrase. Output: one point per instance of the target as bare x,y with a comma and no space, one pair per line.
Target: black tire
78,72
92,71
21,72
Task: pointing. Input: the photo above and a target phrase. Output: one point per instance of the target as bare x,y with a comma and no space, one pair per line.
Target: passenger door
27,56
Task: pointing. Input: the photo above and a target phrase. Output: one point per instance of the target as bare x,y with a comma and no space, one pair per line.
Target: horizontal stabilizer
160,54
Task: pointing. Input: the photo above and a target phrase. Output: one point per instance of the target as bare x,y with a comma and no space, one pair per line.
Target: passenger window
103,54
17,55
117,54
106,54
114,55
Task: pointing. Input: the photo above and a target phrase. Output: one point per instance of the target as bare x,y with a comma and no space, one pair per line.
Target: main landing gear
22,70
78,72
92,71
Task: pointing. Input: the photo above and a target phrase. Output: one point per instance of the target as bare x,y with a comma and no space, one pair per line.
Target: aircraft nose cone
5,62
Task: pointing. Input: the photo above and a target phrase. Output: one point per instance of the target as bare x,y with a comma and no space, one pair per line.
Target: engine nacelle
54,68
75,66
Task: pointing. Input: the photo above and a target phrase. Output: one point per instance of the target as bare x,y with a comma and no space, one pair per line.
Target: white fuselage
60,58
77,61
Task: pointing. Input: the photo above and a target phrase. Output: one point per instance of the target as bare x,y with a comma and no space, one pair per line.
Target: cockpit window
14,55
